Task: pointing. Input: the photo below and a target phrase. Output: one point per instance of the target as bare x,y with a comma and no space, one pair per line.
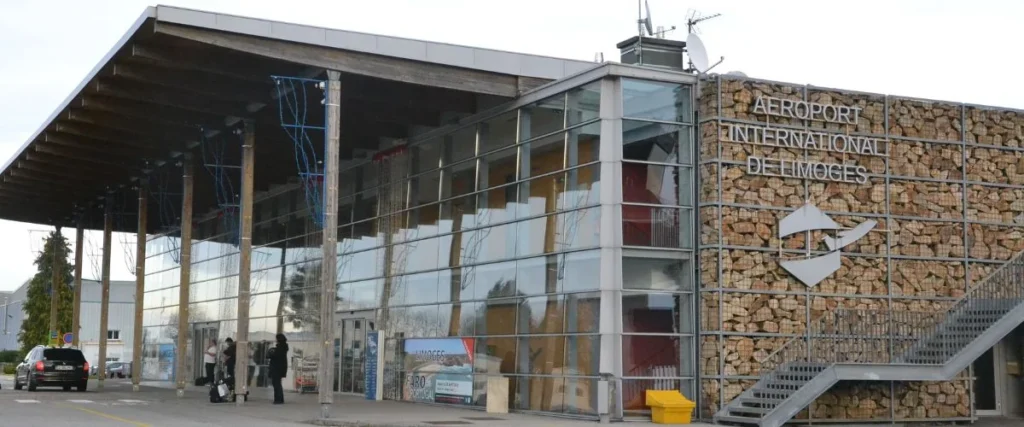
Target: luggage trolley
305,371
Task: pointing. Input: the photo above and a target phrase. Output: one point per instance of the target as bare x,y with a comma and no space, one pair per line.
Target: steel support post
108,228
244,263
140,287
187,173
55,270
76,310
328,264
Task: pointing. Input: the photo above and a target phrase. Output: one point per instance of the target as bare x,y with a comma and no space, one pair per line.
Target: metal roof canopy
177,70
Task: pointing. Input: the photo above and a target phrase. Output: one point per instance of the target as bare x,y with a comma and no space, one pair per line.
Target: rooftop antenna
696,53
642,24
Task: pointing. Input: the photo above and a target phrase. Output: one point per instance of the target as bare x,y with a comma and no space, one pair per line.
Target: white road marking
26,401
131,401
79,401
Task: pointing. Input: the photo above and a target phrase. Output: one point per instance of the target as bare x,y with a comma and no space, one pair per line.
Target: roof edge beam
384,67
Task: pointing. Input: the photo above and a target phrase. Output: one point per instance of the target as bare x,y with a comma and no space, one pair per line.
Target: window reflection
655,142
542,117
498,132
656,184
656,227
583,103
656,313
659,274
644,99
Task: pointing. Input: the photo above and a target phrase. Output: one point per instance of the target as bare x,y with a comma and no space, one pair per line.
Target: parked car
115,369
52,367
119,369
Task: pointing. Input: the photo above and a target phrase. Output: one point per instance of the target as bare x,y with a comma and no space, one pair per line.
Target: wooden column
55,253
187,172
244,262
328,288
108,227
140,286
76,311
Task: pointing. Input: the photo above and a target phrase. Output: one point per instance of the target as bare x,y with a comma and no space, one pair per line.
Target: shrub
9,369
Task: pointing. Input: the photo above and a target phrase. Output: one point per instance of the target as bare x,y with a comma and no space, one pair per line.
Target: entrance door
349,351
202,333
987,382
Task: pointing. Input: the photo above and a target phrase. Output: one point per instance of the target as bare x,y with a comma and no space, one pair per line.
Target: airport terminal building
588,231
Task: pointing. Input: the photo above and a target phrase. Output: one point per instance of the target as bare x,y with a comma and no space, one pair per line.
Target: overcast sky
927,48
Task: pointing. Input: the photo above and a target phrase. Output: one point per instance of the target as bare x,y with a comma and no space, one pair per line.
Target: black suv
53,367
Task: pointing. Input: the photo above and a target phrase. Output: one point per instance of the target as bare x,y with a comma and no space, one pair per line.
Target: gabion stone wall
945,186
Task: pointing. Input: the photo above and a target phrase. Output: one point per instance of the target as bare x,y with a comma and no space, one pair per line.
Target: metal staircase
881,345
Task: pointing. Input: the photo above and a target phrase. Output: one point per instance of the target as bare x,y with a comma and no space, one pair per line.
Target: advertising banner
371,365
439,370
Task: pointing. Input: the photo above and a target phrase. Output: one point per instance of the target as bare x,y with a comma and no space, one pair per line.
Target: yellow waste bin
669,407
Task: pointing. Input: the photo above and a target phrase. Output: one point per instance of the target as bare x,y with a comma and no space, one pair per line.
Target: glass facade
490,232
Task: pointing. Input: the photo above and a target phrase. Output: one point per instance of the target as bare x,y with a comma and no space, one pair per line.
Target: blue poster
370,374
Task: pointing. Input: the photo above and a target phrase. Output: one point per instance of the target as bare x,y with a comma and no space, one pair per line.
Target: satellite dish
647,21
698,54
736,73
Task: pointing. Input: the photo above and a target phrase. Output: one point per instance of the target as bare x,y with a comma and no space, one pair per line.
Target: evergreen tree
36,324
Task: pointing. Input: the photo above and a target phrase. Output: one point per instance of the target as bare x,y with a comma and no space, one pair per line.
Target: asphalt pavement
116,405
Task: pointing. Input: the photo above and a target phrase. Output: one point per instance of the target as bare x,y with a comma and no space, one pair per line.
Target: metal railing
887,336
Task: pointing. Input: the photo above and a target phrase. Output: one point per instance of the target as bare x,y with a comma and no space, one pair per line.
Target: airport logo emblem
812,270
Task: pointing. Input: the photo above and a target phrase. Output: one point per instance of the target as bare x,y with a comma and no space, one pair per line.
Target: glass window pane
535,236
495,356
656,313
496,243
655,355
655,227
644,99
466,314
427,188
462,145
583,312
497,317
582,354
655,142
459,179
659,274
546,355
583,144
421,288
427,155
578,229
546,155
539,196
582,189
498,168
581,395
655,184
579,271
542,118
538,393
533,277
496,280
542,315
584,103
498,132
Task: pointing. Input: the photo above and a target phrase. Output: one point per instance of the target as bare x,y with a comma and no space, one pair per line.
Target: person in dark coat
279,367
229,358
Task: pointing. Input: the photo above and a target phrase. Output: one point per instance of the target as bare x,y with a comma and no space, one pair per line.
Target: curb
342,423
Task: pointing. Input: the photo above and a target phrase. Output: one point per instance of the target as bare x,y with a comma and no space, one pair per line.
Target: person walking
210,360
279,367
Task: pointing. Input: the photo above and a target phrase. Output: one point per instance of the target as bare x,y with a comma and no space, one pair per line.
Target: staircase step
759,401
737,420
741,410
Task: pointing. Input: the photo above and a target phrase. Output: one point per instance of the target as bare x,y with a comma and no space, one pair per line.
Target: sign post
374,373
54,338
69,338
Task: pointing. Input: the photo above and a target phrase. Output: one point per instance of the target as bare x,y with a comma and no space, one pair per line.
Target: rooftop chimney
652,52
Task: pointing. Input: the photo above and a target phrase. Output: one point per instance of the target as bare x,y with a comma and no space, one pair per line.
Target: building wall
121,317
12,310
947,198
